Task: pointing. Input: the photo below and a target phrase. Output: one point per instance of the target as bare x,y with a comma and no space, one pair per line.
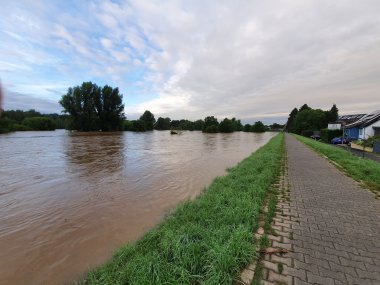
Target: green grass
206,241
280,267
271,212
264,242
360,169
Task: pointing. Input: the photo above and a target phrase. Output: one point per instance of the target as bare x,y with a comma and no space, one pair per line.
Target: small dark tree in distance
247,128
258,127
211,125
162,124
226,126
148,119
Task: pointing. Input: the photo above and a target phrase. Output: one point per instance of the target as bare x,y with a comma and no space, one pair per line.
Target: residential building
367,126
344,120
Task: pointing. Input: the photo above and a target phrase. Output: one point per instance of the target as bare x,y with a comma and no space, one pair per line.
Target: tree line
93,108
90,107
306,120
18,120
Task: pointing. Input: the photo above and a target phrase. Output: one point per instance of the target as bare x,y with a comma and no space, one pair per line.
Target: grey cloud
16,100
248,59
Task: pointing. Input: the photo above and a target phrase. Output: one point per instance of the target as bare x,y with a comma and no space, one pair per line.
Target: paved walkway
330,225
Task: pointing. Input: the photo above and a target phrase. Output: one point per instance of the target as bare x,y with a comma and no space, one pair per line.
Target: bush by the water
18,120
39,123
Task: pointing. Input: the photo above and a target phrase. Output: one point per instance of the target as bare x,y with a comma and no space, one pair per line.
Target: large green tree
94,108
290,122
148,119
309,120
332,114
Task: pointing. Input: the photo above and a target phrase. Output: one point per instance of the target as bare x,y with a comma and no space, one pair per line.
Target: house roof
348,119
366,120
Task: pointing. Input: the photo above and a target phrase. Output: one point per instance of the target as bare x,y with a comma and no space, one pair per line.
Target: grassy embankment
206,241
363,170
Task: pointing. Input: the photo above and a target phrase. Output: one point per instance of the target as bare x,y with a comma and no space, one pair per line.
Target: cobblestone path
329,224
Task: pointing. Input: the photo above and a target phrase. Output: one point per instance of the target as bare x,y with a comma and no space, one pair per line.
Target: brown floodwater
67,200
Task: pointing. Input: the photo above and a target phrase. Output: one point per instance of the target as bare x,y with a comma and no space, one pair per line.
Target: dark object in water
172,132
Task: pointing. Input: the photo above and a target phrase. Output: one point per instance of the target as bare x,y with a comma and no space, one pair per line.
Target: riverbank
208,240
363,170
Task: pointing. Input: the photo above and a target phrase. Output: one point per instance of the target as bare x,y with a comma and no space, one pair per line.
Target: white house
344,120
334,126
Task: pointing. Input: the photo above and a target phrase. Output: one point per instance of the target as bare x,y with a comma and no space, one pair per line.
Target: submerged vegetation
94,108
17,120
208,240
360,169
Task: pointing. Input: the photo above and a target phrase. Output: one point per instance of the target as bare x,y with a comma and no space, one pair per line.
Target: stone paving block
247,276
299,273
319,262
306,266
316,279
344,269
368,274
287,246
276,238
358,281
346,248
339,253
273,276
270,265
352,263
279,259
336,275
372,267
361,258
300,282
264,282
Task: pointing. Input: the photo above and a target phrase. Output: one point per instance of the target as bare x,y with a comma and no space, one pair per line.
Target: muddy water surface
67,201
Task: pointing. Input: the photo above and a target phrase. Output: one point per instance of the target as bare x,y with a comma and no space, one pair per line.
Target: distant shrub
226,126
20,128
258,127
211,129
134,126
247,128
39,123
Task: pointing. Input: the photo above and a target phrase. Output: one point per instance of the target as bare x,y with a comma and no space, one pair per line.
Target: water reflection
95,153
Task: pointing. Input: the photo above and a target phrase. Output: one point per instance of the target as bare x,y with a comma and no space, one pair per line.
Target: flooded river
67,201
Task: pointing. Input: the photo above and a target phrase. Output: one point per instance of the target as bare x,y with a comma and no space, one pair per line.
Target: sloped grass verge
205,241
364,170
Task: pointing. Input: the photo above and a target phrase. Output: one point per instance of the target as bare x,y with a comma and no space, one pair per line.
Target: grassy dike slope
364,170
206,241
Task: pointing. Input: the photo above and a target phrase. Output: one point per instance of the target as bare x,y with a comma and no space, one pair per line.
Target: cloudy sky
254,59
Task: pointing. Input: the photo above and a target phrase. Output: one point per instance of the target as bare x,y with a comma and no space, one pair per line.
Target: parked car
340,140
316,137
